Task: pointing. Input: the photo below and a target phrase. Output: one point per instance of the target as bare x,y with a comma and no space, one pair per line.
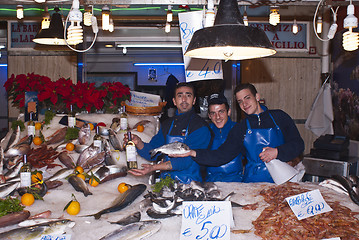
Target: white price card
336,238
56,237
308,204
206,220
196,68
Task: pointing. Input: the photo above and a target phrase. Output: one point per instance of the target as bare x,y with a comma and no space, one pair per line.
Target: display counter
105,193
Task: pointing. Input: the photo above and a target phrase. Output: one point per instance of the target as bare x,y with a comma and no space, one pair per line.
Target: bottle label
131,153
31,130
25,179
123,123
71,121
98,143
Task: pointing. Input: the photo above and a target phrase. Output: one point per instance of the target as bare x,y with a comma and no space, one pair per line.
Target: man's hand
146,168
191,153
135,139
268,154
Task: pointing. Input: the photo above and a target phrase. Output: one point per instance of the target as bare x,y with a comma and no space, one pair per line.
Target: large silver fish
106,173
60,174
171,148
87,154
13,172
7,188
67,160
93,161
36,231
122,201
17,150
84,134
14,138
79,185
134,231
115,141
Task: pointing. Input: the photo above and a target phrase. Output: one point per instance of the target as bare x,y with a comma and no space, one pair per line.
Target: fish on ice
138,230
171,148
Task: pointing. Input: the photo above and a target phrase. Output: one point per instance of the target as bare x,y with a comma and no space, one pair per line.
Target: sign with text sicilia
21,34
196,68
282,37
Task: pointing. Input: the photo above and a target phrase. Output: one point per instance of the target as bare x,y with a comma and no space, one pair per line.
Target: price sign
206,220
56,237
196,68
308,204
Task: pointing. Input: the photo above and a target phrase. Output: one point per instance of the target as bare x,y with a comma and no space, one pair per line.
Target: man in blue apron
218,113
262,136
187,127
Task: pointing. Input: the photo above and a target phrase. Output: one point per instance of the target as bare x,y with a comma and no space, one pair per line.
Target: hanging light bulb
169,14
319,24
20,12
105,18
45,23
245,17
88,15
168,27
111,26
274,17
350,38
295,27
74,31
124,50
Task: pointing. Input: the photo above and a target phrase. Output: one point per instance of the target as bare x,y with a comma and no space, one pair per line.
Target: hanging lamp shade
54,35
229,39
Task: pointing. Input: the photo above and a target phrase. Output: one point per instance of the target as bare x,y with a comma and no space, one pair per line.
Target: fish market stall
258,208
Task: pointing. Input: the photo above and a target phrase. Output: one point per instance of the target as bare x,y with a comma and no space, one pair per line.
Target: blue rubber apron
229,172
254,142
186,176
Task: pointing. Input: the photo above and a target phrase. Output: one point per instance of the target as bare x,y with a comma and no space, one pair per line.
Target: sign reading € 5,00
196,68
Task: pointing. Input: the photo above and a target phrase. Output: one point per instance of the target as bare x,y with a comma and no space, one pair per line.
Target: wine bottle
25,174
71,118
97,140
123,120
31,126
131,153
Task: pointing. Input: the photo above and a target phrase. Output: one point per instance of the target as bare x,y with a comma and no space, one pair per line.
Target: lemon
27,199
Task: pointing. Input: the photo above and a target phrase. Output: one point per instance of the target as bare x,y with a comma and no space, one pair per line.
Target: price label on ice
308,204
56,237
206,220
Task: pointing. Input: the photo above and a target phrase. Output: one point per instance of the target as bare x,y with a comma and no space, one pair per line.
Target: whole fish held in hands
37,231
171,148
122,201
135,231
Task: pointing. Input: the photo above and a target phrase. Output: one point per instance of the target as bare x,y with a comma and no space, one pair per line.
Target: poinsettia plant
59,95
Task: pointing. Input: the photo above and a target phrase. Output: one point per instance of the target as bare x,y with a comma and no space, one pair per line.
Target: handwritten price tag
206,220
308,204
196,68
56,237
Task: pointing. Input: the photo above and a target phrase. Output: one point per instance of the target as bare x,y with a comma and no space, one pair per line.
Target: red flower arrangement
59,95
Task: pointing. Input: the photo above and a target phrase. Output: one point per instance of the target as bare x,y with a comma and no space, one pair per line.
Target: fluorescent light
146,45
3,65
158,64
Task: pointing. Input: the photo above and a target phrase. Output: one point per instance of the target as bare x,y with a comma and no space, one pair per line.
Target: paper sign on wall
308,204
140,99
196,68
206,220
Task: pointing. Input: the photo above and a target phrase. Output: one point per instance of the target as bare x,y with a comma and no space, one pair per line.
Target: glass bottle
25,174
97,140
71,118
123,120
131,153
31,126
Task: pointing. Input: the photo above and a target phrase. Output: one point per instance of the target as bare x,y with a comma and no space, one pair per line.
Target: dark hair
225,104
248,86
184,84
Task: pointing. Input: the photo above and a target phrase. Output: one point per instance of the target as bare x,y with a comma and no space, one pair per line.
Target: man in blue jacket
187,127
262,136
219,113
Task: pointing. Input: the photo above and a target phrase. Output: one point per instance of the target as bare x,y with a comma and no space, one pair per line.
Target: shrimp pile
279,222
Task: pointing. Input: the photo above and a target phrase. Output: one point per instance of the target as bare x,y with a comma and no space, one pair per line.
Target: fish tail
153,153
86,193
97,215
